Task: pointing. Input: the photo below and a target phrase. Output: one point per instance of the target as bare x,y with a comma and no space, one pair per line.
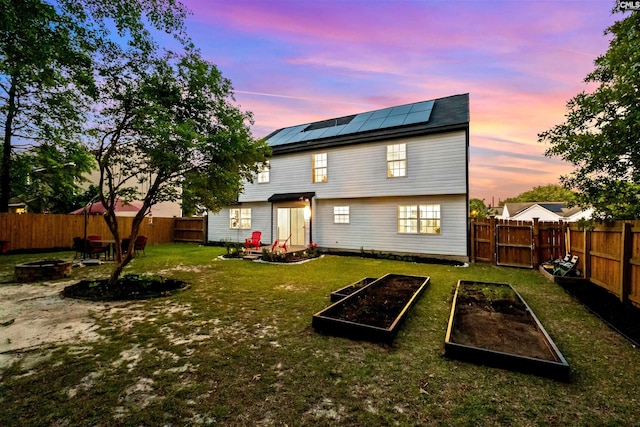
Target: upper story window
240,219
319,165
422,219
263,172
396,160
341,214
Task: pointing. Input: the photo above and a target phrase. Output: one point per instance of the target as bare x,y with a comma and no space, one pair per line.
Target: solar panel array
373,120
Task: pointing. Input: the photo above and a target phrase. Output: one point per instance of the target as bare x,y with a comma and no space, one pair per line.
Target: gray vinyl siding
218,224
374,226
436,165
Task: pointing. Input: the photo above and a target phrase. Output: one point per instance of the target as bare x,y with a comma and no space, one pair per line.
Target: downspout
311,221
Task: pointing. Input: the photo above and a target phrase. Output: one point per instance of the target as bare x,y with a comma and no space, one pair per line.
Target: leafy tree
544,193
166,120
47,179
45,77
600,135
477,209
48,53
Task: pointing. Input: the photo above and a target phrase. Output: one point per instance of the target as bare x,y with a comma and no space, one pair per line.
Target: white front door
291,223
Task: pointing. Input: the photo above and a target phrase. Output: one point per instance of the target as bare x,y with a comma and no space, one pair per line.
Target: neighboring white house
159,210
393,180
544,211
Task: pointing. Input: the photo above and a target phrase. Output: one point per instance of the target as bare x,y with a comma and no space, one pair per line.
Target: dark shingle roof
419,118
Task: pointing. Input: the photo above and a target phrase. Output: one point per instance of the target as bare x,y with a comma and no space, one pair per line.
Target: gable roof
558,208
437,115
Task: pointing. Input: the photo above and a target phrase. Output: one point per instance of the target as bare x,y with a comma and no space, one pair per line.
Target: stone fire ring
48,269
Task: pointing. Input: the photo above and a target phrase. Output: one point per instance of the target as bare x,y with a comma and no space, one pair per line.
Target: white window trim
418,224
397,156
315,167
240,218
408,224
341,215
430,217
264,173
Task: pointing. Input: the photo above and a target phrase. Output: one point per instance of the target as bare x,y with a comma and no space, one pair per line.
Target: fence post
535,244
587,255
492,238
563,242
625,261
205,229
472,237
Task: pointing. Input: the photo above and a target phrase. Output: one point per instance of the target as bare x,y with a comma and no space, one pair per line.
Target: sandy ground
34,316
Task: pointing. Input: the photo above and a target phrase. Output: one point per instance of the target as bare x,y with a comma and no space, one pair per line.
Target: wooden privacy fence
608,255
516,243
48,231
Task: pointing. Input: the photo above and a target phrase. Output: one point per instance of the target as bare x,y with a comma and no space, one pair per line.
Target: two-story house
394,180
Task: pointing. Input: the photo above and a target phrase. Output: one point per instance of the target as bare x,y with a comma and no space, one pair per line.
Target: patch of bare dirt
35,315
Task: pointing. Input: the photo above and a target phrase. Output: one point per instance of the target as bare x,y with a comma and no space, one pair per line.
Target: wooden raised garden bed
374,312
491,324
349,289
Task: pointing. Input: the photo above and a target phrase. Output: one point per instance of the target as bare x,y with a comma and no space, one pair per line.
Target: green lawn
237,348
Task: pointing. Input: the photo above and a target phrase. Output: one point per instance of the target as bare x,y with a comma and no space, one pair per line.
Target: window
396,160
319,162
240,219
423,219
407,219
263,173
430,219
341,214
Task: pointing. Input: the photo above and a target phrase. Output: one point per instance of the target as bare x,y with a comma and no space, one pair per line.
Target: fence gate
190,230
514,245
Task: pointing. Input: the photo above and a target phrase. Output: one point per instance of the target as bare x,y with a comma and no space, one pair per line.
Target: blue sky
294,62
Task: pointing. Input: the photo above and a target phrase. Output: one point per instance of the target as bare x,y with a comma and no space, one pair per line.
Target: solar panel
372,124
402,109
422,106
363,122
392,121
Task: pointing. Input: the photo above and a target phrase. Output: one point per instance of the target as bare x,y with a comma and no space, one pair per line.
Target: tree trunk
5,176
120,260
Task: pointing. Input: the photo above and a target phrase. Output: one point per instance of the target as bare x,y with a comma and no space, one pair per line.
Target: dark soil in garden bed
498,322
349,289
130,287
380,305
623,318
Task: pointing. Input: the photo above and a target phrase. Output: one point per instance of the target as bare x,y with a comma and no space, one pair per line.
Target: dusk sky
294,62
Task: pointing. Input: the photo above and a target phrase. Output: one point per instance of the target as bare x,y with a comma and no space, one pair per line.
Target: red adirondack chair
254,241
281,244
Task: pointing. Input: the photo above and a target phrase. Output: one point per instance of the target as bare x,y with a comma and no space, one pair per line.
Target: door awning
288,197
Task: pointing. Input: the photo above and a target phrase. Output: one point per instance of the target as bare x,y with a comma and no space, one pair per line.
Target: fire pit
48,269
